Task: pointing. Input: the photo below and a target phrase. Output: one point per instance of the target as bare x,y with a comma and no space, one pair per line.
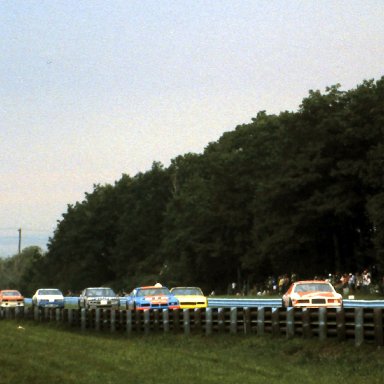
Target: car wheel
290,303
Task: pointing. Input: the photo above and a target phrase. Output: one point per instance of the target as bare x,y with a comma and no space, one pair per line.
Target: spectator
366,281
352,282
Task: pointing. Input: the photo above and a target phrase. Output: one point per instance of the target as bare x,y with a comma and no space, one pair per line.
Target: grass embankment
49,353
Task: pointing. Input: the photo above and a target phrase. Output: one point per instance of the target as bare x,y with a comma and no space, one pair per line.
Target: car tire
290,303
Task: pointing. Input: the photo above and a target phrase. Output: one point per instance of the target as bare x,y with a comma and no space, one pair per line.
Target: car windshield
100,292
313,287
11,293
187,291
153,292
50,292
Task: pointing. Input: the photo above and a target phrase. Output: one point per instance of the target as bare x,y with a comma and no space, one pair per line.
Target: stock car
98,297
312,294
152,297
11,298
48,298
190,297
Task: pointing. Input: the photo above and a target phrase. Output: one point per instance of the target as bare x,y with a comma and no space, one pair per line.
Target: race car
152,297
98,297
190,297
48,297
11,298
312,294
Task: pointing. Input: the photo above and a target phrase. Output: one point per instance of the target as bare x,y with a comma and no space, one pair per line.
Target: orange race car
11,298
312,294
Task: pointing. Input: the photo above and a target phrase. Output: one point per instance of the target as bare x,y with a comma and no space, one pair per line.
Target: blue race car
152,297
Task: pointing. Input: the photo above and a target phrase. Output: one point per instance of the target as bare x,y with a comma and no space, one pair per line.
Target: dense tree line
300,191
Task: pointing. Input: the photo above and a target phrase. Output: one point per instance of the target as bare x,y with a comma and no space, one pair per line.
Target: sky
91,90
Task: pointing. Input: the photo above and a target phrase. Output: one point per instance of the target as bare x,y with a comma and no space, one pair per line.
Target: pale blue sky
90,90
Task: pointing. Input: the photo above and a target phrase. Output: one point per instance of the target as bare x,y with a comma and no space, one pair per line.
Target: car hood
190,298
156,298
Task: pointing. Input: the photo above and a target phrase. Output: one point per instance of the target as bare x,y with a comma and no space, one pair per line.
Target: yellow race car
190,297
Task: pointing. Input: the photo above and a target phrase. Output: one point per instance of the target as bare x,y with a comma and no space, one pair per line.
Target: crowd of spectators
365,282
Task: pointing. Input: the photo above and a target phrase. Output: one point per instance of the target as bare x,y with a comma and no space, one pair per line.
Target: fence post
197,319
113,320
176,320
186,321
378,326
51,312
260,320
83,312
275,321
208,321
138,318
58,313
36,313
166,320
155,320
129,321
146,321
340,321
233,326
322,323
18,312
306,323
70,316
221,320
247,320
290,329
359,329
97,319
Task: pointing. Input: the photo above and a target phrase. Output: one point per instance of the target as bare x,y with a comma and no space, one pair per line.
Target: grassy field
48,353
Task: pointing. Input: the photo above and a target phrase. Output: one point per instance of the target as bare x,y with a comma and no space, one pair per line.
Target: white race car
48,298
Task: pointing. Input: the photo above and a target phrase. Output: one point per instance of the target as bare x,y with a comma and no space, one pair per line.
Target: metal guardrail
276,303
250,303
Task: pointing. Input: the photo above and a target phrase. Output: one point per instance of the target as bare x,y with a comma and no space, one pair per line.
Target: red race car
11,298
312,294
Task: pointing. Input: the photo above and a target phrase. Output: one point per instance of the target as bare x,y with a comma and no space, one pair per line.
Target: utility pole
19,240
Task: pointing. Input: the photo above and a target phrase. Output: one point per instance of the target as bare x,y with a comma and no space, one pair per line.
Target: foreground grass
48,353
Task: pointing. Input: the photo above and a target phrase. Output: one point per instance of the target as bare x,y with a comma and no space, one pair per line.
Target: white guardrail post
247,320
233,326
128,320
146,321
186,321
83,319
97,319
359,329
208,321
260,320
322,323
113,320
290,330
166,320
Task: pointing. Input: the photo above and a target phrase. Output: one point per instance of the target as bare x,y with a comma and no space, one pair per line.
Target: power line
26,229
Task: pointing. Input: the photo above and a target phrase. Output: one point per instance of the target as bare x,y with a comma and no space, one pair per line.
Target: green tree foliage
295,192
22,271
